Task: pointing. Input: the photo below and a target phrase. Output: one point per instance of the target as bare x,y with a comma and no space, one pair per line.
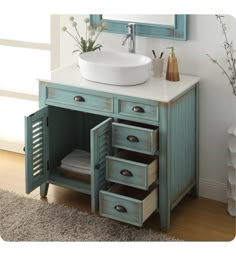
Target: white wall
217,103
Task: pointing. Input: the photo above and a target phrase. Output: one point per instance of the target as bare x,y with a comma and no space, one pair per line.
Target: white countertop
157,89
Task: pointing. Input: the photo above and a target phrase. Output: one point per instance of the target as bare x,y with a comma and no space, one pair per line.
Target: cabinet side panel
182,145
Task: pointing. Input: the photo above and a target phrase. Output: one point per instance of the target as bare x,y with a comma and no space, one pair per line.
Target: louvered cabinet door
100,148
36,149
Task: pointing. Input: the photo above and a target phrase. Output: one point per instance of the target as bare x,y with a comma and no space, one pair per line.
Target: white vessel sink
115,68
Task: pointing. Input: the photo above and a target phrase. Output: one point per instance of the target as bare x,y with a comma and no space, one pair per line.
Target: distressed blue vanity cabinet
143,142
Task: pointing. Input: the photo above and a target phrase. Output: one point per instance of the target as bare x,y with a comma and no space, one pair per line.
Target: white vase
231,180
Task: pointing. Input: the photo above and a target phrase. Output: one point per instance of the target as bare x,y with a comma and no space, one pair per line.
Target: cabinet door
100,148
36,149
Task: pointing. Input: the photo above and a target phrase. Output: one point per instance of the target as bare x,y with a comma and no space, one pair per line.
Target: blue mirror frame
176,32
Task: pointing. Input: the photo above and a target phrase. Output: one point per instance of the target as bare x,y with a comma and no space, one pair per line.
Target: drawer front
127,209
134,138
80,100
133,174
137,110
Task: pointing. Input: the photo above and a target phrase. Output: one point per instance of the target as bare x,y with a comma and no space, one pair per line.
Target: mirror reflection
167,20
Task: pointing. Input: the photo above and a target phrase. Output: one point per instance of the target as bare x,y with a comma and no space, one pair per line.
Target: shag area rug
28,219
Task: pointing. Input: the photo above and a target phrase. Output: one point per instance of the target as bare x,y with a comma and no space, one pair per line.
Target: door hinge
48,165
47,121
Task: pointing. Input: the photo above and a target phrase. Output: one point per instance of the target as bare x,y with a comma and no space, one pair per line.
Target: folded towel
78,159
75,170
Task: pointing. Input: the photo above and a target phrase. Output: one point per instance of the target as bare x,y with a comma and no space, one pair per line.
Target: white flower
86,43
86,20
74,24
104,24
99,29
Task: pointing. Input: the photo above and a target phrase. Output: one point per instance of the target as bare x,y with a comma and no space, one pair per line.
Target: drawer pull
120,208
132,138
79,98
138,109
126,173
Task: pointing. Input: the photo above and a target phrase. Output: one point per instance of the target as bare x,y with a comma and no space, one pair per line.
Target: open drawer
132,169
135,136
128,204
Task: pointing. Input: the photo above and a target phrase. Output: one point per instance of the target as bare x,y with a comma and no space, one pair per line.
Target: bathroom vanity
143,142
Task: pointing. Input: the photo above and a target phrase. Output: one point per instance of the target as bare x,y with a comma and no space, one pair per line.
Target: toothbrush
154,54
161,55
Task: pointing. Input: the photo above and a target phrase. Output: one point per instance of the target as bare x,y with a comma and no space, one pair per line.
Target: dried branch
230,56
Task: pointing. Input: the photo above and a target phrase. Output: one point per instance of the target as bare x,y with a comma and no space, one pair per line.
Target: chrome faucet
131,37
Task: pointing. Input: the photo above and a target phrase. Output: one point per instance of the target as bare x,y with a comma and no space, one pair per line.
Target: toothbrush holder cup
158,64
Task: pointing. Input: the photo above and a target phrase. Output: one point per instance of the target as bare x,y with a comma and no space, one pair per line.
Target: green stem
77,32
98,34
72,36
86,32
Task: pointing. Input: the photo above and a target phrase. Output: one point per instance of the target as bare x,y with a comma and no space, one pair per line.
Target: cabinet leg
164,218
44,189
94,201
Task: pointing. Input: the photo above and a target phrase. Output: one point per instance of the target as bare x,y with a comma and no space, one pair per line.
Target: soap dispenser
172,71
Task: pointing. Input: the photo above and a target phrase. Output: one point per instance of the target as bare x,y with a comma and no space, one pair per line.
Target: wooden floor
194,219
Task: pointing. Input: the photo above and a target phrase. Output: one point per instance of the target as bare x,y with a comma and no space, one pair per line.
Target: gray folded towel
75,170
77,159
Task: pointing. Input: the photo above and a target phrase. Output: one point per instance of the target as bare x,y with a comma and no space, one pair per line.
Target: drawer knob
138,109
79,98
126,173
120,208
132,138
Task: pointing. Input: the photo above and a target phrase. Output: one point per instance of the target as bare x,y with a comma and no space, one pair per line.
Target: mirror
168,20
163,26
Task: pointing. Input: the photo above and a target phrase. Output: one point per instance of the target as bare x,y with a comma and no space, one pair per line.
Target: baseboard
213,190
12,145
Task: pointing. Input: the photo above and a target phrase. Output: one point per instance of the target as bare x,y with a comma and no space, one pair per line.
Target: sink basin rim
134,56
